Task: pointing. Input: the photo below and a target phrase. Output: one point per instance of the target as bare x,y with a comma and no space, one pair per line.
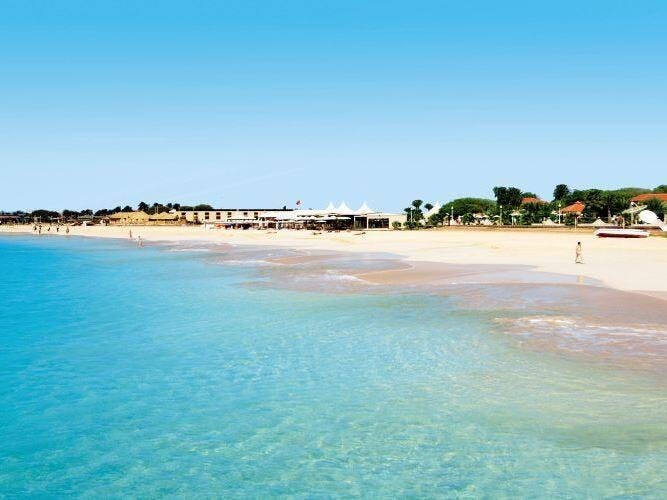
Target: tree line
68,214
508,200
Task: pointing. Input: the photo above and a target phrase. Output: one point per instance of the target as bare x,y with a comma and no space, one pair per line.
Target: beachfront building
641,199
336,218
528,200
575,210
165,218
229,217
340,217
128,218
13,218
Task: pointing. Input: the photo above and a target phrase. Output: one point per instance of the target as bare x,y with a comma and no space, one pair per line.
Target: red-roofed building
647,196
576,208
531,199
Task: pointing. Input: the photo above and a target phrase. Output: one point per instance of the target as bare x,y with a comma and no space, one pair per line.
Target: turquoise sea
153,372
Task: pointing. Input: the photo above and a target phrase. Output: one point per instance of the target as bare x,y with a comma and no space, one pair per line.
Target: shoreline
625,265
579,317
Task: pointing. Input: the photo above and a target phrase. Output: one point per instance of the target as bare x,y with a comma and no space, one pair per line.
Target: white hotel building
331,217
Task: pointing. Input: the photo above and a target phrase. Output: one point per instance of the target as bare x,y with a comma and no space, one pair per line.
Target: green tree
410,222
417,213
662,188
44,215
508,196
535,213
70,214
203,207
464,206
614,203
561,191
143,206
428,206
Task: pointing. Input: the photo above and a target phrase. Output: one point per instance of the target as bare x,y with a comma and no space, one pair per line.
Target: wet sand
557,314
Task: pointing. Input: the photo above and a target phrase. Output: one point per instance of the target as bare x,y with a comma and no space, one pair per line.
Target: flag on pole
298,202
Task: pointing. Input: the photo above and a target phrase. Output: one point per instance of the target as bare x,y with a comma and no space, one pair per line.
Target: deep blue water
145,372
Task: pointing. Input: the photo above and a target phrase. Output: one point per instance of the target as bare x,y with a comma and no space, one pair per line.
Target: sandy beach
623,264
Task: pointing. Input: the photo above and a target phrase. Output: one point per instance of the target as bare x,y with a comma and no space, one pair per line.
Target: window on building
217,216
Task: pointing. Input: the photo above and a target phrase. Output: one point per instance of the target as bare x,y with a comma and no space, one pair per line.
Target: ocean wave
190,249
246,262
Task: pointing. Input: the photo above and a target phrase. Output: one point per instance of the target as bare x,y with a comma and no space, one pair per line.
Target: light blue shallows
144,372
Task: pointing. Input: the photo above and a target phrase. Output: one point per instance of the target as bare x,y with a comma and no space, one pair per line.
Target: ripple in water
141,372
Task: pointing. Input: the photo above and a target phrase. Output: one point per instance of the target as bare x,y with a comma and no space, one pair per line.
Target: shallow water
146,372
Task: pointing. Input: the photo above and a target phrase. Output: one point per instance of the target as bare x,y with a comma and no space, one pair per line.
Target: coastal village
511,207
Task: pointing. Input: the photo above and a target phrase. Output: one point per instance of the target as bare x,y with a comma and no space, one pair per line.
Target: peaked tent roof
365,209
330,207
344,209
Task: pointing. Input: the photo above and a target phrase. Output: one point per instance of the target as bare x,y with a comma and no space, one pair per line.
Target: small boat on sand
617,232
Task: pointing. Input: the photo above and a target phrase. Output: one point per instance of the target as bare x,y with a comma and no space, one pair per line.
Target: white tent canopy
600,223
365,209
343,209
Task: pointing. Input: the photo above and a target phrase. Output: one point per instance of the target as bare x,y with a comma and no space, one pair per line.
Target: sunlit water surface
145,372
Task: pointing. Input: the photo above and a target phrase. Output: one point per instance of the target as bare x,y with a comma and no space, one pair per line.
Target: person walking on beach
67,230
579,257
130,234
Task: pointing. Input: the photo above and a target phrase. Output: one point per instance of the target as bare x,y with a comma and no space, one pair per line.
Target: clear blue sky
266,102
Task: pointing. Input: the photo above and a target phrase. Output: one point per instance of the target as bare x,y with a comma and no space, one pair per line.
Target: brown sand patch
301,259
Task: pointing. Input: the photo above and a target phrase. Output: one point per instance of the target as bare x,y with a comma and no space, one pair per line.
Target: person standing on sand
579,257
67,230
130,234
